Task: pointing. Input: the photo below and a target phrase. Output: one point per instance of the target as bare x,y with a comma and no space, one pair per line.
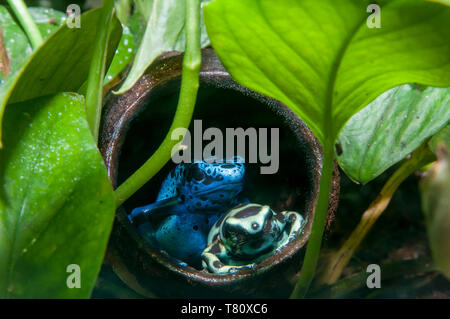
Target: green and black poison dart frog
246,235
191,199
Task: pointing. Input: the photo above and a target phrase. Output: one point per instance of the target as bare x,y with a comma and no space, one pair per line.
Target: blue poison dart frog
247,234
191,199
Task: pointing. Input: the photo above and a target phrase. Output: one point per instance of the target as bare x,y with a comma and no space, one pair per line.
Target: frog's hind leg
211,260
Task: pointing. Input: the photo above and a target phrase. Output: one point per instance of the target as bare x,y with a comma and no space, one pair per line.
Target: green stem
315,239
94,89
185,108
27,22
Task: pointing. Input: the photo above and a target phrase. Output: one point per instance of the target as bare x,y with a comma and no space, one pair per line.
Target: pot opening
290,188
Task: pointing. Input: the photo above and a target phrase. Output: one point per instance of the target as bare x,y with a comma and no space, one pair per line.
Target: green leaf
18,46
123,56
435,191
137,26
322,60
164,32
390,128
61,64
144,7
123,10
47,19
443,136
96,77
56,201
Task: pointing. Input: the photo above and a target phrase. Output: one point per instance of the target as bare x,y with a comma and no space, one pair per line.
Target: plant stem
315,239
339,260
27,22
94,87
185,108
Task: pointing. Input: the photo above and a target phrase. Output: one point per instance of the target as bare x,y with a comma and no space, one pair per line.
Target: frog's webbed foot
296,223
211,260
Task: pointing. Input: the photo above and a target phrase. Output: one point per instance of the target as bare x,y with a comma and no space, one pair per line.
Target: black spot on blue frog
191,199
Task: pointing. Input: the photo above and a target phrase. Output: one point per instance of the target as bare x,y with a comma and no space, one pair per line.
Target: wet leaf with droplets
60,64
56,203
17,45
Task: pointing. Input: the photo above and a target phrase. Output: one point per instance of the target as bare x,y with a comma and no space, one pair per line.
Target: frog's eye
197,174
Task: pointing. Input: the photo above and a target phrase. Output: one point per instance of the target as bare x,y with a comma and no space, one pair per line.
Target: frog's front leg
296,223
165,207
212,258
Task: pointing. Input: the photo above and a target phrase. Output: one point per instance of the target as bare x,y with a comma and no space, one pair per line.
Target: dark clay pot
133,126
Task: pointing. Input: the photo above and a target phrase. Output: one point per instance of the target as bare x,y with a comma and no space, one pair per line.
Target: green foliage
321,59
443,136
60,64
17,44
124,55
390,128
165,31
56,204
97,67
435,191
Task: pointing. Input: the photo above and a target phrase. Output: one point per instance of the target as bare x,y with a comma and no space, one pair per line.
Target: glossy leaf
18,46
322,60
390,128
123,55
164,32
137,26
98,67
61,64
56,203
435,190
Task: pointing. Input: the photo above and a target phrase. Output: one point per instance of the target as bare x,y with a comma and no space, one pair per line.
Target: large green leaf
56,201
18,46
390,128
164,32
61,64
322,60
